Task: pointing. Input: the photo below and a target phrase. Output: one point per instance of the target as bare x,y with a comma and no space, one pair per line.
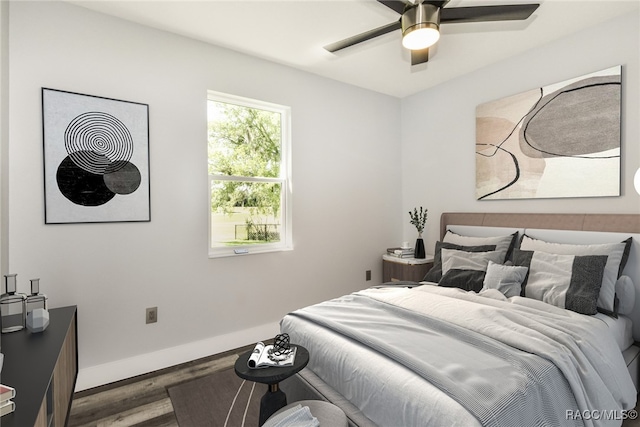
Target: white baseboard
94,376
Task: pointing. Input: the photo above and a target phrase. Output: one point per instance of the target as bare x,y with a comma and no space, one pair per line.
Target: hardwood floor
142,401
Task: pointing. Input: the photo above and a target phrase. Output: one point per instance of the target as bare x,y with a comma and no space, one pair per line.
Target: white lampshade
636,181
421,38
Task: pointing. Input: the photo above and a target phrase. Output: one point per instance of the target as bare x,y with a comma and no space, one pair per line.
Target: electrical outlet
368,275
152,315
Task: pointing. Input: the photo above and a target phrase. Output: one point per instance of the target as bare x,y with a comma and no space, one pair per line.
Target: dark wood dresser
43,368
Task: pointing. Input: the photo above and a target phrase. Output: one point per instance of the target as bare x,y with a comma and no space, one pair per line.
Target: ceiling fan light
421,36
420,26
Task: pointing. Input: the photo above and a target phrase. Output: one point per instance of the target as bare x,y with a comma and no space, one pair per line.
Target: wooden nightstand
395,269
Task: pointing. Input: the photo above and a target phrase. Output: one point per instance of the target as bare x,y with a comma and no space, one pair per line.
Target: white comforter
391,395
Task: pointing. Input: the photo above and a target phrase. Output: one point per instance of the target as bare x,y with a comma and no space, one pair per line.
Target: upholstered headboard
600,224
629,223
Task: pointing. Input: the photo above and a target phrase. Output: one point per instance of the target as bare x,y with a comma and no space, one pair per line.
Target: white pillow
614,251
566,281
505,278
453,259
626,292
503,243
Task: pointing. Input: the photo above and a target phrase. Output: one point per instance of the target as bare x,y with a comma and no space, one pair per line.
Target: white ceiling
293,32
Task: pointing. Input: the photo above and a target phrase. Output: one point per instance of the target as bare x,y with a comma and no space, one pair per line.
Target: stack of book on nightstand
400,252
6,404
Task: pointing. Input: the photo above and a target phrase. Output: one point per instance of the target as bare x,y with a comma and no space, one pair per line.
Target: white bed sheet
621,329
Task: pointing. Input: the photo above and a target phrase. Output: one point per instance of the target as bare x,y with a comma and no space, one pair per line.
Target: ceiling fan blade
402,6
396,5
508,12
419,56
333,47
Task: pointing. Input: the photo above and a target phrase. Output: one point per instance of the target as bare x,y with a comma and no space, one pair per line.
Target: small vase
419,252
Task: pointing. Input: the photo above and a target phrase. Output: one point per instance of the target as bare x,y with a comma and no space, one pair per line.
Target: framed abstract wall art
556,141
96,159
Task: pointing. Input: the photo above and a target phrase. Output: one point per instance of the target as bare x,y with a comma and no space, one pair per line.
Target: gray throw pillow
507,279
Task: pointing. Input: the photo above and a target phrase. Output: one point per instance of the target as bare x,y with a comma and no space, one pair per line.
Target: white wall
438,125
346,176
4,137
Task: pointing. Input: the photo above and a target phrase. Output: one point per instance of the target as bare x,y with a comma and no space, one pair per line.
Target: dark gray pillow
468,280
435,274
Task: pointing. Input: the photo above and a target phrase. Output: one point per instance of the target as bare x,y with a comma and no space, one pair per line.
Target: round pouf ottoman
328,415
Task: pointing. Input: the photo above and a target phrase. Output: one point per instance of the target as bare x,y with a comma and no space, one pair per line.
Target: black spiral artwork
99,148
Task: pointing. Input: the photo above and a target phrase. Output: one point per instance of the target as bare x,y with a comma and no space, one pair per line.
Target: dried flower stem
418,219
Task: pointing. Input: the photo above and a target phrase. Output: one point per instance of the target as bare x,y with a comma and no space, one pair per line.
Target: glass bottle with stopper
13,313
36,299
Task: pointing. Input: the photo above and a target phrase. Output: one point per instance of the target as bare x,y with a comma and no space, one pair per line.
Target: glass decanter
13,313
36,299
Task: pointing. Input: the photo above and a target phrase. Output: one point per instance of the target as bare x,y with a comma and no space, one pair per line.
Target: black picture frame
96,159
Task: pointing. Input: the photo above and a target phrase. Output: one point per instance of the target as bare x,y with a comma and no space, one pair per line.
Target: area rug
221,399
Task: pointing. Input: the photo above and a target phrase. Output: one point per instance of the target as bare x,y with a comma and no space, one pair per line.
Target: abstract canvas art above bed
560,140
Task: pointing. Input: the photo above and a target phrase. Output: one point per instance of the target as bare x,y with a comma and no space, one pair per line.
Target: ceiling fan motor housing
424,15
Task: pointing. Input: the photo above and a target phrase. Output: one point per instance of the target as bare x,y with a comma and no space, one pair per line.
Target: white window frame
286,224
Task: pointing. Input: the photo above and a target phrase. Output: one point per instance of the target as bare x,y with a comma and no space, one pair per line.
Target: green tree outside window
244,162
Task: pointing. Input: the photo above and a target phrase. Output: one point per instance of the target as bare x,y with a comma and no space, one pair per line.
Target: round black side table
274,398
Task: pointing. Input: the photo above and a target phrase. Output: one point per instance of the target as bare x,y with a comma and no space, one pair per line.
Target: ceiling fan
420,23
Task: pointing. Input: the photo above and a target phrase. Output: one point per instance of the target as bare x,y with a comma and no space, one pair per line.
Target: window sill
244,251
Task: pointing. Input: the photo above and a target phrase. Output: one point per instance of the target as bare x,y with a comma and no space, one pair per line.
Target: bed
546,340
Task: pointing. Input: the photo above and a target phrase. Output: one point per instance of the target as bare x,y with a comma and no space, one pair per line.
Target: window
249,176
